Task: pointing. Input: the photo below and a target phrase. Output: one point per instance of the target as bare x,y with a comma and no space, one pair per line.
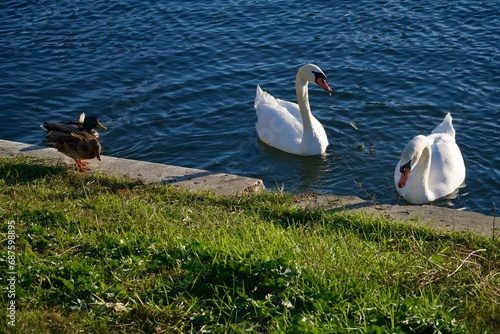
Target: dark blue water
175,82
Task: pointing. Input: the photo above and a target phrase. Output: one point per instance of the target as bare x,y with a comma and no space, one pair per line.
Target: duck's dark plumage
78,140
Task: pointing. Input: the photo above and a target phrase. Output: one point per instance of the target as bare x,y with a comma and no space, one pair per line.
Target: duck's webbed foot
82,165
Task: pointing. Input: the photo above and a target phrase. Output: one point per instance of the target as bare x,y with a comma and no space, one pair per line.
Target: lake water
175,82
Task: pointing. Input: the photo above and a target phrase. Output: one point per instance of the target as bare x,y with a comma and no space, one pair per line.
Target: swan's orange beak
322,83
404,177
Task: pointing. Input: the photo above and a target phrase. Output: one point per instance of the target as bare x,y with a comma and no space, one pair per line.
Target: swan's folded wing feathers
446,126
292,108
277,118
276,127
262,97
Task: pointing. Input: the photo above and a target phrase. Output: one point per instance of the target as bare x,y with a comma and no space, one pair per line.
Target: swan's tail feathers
263,97
258,94
446,126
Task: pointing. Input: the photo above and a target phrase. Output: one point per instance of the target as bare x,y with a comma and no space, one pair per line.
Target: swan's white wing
447,170
277,123
446,126
293,109
262,97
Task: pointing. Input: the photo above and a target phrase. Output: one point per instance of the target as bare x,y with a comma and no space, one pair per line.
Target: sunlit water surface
175,82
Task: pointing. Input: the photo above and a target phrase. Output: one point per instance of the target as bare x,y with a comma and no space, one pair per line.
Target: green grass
98,254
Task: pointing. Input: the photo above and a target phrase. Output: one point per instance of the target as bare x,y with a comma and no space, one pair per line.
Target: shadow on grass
26,169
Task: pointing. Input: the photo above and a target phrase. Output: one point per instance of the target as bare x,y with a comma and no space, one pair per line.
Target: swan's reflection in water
307,174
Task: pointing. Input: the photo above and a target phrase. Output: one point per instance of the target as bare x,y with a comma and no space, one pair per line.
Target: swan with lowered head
288,126
431,166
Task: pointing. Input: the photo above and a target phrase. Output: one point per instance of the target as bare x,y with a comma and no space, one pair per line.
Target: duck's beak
100,126
404,177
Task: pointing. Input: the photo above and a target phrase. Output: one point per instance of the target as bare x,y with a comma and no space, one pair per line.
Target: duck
430,166
78,140
78,146
83,124
288,126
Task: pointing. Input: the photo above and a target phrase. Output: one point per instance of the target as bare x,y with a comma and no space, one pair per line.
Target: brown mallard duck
79,146
78,140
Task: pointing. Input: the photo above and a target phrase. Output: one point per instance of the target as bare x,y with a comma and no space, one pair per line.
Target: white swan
290,127
431,166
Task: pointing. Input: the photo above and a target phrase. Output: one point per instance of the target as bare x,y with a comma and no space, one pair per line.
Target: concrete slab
434,217
147,172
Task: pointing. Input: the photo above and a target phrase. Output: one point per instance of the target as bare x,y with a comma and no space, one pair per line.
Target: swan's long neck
422,170
305,110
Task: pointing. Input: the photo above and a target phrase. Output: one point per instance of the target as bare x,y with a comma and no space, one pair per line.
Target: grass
97,254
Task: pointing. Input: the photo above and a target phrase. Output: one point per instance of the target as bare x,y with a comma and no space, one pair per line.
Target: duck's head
91,122
312,73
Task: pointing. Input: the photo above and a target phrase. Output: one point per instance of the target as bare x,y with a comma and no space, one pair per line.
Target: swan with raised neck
288,126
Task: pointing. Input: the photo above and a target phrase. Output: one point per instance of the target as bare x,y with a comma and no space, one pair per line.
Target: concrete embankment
147,172
442,219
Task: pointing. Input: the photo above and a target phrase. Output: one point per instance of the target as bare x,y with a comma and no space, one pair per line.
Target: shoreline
434,217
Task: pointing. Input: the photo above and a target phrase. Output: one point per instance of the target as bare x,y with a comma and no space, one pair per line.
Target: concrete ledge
148,172
435,217
438,218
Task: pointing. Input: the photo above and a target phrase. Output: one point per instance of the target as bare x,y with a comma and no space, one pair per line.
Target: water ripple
175,84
